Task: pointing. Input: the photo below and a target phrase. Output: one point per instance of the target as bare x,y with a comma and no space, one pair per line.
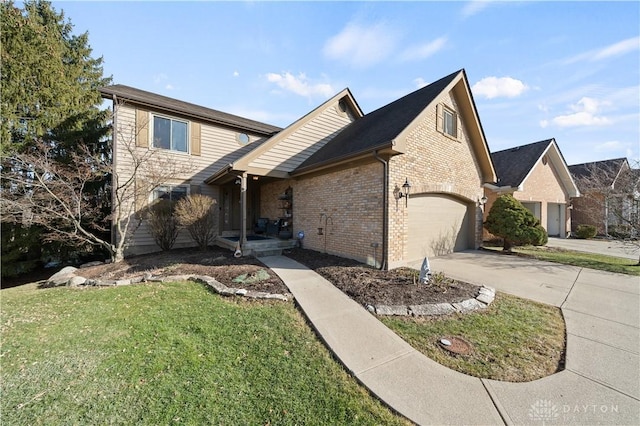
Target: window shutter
142,128
194,189
459,128
439,118
195,138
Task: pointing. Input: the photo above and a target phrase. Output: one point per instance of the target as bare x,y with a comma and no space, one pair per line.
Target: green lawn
513,340
169,353
586,260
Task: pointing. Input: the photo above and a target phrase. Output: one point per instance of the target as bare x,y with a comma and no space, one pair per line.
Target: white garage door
438,224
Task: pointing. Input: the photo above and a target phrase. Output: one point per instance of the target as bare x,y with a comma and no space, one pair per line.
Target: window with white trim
170,192
449,122
171,134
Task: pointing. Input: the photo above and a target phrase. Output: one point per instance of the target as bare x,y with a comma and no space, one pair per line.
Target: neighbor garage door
438,224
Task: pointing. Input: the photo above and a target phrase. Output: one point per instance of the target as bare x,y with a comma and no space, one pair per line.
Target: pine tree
50,96
514,223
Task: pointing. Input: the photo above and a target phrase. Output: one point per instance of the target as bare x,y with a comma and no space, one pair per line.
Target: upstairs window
170,134
449,125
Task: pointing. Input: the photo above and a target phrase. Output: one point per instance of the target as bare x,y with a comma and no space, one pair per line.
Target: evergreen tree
50,96
514,223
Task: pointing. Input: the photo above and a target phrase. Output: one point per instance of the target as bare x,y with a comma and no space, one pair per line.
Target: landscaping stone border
485,296
68,277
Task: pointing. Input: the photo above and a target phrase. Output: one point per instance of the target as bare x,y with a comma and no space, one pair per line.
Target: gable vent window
170,134
243,139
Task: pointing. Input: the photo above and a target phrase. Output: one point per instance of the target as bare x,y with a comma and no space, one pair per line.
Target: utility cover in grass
253,277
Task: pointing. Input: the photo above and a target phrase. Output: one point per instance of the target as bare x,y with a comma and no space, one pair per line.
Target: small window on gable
342,107
170,134
243,138
450,122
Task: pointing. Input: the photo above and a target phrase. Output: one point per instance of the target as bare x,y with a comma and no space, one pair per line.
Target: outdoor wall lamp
482,201
406,188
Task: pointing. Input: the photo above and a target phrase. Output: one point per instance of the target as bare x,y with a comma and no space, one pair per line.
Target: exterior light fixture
406,189
482,201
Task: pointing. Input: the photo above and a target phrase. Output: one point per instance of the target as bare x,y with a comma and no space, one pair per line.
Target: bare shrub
196,213
163,225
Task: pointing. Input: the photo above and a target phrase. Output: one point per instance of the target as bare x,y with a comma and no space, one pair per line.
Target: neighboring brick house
337,175
610,195
537,175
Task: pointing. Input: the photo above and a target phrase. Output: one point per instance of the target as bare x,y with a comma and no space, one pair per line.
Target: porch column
243,209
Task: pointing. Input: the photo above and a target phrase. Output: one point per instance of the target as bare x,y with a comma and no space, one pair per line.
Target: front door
231,213
555,219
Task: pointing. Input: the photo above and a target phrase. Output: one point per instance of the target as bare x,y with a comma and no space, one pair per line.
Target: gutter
225,170
385,210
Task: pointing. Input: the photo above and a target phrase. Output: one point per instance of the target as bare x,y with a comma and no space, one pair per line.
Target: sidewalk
600,384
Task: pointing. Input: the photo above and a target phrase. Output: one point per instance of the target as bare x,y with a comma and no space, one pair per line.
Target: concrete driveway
608,247
601,382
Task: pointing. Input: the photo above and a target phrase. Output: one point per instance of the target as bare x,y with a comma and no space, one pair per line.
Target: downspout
385,210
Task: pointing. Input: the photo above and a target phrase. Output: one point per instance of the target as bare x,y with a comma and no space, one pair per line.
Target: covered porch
255,213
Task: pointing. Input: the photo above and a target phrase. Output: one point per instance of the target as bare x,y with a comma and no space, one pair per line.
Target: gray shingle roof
584,170
514,164
175,106
380,127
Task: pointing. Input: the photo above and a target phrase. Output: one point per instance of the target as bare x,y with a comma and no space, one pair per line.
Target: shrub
197,214
514,223
162,224
586,231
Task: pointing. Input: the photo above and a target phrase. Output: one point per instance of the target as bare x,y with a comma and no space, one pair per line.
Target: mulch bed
362,283
367,285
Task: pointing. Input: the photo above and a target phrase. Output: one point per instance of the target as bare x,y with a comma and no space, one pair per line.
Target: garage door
438,224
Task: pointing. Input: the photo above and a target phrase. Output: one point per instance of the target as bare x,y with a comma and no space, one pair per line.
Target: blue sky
538,70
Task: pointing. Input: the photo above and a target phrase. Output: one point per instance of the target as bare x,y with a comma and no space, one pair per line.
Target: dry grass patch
514,340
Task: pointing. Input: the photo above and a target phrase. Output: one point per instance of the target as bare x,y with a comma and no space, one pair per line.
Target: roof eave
386,148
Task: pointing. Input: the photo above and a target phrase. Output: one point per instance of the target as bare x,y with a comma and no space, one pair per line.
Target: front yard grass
514,340
169,353
585,260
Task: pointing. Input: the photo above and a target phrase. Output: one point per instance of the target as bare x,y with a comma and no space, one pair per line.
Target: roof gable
514,165
158,102
285,151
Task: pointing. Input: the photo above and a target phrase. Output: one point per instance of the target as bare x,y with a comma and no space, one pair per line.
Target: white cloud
169,87
362,46
420,83
609,146
473,7
544,123
300,85
584,114
615,49
236,74
423,51
502,87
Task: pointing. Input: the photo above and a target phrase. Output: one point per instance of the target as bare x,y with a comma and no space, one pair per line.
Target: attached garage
439,224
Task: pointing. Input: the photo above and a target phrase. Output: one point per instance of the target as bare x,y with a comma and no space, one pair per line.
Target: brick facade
542,186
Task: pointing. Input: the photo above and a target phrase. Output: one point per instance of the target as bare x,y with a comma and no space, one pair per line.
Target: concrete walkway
599,386
597,246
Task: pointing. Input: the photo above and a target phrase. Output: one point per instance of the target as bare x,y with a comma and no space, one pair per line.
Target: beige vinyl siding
218,147
301,144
